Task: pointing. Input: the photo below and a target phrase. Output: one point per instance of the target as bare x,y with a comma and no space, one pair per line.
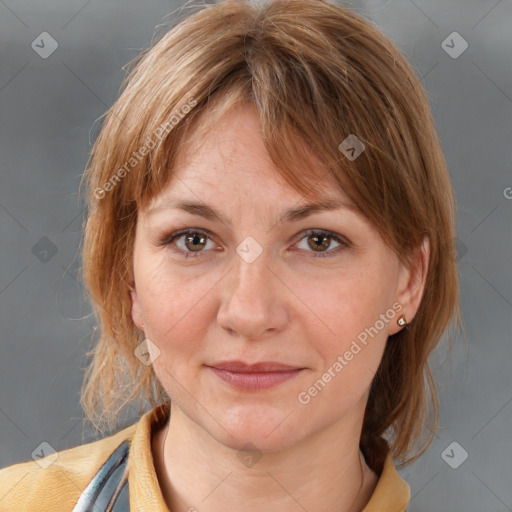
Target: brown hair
317,73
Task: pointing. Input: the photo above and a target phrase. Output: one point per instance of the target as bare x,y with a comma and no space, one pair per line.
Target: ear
411,284
136,311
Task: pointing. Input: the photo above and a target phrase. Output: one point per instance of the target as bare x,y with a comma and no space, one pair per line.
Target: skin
286,306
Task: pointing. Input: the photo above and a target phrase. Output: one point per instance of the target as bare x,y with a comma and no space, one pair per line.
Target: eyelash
168,241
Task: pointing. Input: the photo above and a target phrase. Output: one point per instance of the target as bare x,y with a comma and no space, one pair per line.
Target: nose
254,300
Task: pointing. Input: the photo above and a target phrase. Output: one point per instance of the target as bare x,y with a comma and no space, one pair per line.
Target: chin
267,428
255,440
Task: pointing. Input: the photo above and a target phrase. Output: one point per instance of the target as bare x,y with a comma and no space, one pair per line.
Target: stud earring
401,321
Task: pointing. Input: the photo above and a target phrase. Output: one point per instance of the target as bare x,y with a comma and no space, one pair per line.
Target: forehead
226,173
228,155
223,172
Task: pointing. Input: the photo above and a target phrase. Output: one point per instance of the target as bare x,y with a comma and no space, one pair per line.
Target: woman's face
252,288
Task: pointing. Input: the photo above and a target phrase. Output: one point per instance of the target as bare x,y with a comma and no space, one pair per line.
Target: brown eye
320,241
195,242
187,243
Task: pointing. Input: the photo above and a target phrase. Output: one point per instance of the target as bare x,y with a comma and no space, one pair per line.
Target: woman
269,250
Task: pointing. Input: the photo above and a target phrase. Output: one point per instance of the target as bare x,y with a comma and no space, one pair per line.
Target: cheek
347,302
175,323
351,352
166,295
175,305
351,336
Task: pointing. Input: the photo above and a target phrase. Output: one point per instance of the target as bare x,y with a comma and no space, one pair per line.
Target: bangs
168,129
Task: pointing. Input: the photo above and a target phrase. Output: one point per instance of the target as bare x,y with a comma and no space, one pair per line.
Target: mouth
262,375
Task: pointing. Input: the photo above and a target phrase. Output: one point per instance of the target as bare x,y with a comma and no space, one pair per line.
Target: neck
323,472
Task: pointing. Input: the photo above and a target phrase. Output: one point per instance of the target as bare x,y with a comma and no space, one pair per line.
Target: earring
401,321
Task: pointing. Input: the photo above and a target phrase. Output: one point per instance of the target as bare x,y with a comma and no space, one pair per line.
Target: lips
257,376
261,367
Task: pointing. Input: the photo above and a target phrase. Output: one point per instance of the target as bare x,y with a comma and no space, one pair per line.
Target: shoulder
55,482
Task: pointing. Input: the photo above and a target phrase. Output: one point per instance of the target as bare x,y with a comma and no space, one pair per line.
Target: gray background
48,110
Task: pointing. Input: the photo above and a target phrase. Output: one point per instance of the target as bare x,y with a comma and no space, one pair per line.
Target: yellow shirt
28,487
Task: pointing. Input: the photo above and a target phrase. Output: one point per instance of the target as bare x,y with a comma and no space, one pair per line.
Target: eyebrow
291,215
